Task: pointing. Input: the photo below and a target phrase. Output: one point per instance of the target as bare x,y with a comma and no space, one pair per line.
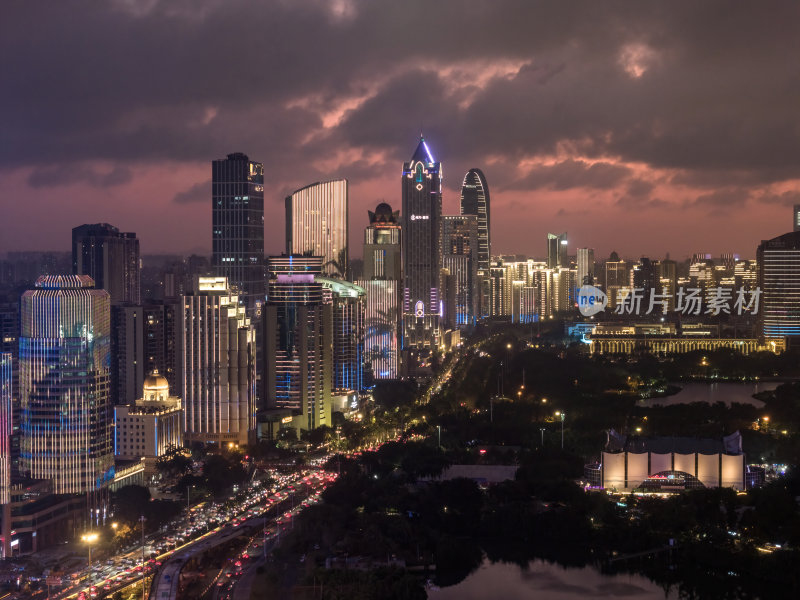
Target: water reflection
548,580
727,392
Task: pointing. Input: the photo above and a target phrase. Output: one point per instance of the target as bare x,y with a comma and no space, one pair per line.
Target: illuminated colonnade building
317,225
217,364
64,367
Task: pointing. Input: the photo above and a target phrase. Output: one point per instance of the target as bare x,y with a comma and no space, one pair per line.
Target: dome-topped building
156,388
383,215
152,425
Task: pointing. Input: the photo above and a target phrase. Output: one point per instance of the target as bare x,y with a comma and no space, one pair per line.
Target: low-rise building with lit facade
151,426
671,464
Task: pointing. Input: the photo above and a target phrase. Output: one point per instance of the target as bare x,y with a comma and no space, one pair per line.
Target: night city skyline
324,299
591,119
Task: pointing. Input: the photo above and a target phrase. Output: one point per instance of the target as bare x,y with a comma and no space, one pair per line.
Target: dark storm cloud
571,173
709,90
68,173
199,192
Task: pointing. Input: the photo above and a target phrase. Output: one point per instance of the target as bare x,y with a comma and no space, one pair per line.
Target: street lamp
439,428
541,429
89,538
562,415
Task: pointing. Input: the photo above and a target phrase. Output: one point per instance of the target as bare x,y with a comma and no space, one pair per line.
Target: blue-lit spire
422,153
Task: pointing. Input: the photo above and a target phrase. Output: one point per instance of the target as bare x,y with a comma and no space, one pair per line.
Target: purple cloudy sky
645,127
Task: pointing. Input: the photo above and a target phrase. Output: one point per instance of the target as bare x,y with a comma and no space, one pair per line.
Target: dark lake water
727,392
545,580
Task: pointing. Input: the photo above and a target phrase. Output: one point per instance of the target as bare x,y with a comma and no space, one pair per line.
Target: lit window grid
318,223
64,385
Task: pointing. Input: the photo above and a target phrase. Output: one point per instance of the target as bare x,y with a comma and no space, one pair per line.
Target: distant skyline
645,128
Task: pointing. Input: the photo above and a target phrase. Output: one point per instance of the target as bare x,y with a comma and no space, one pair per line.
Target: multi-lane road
208,525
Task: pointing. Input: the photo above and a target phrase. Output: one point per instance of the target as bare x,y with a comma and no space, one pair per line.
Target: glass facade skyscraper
298,340
5,448
779,280
64,362
422,249
461,244
237,224
475,201
347,300
110,258
317,225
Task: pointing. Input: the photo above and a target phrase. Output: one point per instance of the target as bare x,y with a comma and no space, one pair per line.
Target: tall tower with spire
422,303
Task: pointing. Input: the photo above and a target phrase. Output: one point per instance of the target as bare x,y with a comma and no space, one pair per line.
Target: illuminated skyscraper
237,224
617,279
461,244
5,450
422,249
557,250
382,258
298,340
217,363
317,225
110,258
779,280
64,358
796,219
347,300
585,266
382,281
475,201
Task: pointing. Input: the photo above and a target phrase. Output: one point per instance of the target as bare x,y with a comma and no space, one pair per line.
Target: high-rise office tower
475,201
796,219
644,276
461,243
668,281
217,364
617,279
64,356
5,450
298,340
779,280
237,225
9,343
110,258
557,250
317,225
382,282
161,339
382,258
422,249
585,261
347,300
382,327
127,353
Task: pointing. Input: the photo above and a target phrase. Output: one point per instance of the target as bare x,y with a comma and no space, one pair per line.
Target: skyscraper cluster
90,371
